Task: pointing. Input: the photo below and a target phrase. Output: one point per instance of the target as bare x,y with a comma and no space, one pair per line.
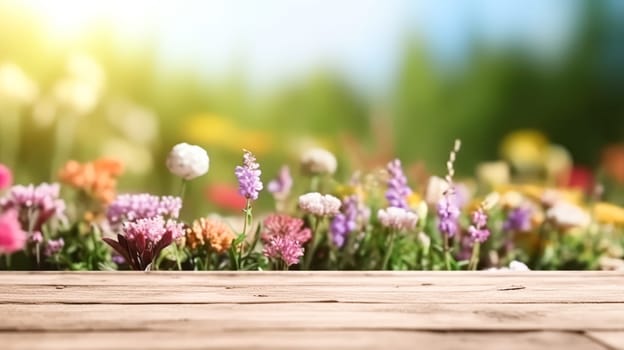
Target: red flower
226,196
579,177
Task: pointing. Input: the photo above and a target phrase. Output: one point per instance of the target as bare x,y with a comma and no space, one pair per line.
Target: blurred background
368,80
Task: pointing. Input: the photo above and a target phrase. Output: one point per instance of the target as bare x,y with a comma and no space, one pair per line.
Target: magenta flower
53,246
12,237
35,205
285,226
133,207
6,177
478,230
248,175
284,248
144,239
280,187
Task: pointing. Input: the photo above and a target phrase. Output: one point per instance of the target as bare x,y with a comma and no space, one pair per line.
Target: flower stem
182,189
474,258
177,256
314,246
389,250
248,220
207,260
447,254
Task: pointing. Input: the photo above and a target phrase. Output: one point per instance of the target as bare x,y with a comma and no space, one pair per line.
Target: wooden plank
298,340
612,340
315,316
296,287
257,278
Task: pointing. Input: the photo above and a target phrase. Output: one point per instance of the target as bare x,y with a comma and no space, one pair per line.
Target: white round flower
397,218
516,265
188,161
318,161
566,215
320,205
436,187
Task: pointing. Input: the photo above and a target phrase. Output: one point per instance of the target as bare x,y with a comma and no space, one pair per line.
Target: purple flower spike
398,191
448,215
248,175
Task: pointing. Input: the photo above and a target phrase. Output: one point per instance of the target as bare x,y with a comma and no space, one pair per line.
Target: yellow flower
215,130
413,200
525,149
607,213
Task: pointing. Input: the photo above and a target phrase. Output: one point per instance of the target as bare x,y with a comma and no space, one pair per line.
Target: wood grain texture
613,340
290,310
300,340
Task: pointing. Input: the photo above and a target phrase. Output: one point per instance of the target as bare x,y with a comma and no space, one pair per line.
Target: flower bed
372,221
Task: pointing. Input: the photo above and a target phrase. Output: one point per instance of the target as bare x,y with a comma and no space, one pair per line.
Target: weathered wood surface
324,310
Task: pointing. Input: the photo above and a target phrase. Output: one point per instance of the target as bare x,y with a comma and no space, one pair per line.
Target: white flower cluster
397,218
188,161
568,215
514,266
318,161
319,205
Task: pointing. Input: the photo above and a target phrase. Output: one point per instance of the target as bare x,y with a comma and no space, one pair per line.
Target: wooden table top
324,310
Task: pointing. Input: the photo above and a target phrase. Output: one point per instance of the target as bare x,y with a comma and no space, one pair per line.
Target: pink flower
12,238
144,239
284,248
285,226
6,177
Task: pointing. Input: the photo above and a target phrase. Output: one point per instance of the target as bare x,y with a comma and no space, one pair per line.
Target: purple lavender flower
353,215
248,175
133,207
280,187
142,241
53,246
397,186
448,215
283,248
35,204
518,220
478,230
118,259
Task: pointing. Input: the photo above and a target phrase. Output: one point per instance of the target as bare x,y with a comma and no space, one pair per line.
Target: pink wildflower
6,177
12,238
284,248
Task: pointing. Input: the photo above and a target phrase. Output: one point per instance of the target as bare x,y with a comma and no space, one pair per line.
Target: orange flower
209,233
98,179
613,161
